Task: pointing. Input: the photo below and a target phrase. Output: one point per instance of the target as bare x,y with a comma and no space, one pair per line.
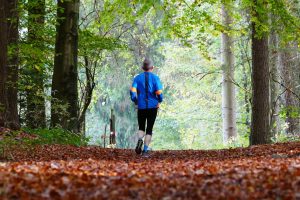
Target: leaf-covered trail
65,172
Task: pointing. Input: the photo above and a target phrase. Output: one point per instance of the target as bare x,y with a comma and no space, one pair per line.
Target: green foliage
12,140
190,114
7,144
58,136
285,138
27,141
91,44
166,135
136,36
290,111
59,107
36,47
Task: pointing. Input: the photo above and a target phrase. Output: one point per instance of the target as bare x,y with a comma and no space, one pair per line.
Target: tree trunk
64,81
9,64
87,93
112,136
13,63
35,113
3,62
228,90
260,119
275,65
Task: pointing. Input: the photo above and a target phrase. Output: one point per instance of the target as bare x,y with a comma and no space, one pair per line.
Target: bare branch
286,88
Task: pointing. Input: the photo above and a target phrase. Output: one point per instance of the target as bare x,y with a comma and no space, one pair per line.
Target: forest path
67,172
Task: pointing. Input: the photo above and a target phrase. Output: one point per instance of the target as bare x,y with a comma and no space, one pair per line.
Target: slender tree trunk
87,93
244,44
35,113
275,65
64,81
228,89
3,62
260,118
112,137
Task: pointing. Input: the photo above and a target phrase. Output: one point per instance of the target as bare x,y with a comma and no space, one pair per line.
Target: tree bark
64,81
3,62
228,89
35,113
13,65
275,65
260,119
9,64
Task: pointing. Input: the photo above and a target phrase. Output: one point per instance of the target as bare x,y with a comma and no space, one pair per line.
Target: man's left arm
133,92
158,90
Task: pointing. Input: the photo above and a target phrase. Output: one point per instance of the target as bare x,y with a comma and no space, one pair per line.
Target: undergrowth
58,136
27,139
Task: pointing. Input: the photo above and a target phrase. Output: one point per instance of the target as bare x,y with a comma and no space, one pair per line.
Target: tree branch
285,87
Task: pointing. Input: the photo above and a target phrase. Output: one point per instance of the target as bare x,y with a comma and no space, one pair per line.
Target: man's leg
141,133
148,139
152,113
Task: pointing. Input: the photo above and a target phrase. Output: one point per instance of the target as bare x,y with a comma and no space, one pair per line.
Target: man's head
147,65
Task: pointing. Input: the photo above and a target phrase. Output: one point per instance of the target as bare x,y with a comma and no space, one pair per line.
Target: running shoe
138,148
146,154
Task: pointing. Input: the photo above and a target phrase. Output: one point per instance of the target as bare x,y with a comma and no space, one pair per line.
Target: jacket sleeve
158,90
133,91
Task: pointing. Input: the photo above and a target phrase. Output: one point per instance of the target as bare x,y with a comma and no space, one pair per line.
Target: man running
146,93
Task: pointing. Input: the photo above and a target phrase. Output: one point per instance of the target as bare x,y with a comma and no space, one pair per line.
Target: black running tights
148,115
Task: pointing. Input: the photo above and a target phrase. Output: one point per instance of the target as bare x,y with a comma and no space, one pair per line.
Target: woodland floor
67,172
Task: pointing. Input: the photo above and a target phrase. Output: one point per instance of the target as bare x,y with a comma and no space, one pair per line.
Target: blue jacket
146,90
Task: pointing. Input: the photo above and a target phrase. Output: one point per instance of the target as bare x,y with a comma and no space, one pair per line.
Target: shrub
58,136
